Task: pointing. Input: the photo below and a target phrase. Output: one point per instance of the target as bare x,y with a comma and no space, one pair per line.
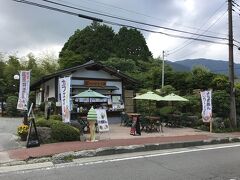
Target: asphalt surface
218,162
8,133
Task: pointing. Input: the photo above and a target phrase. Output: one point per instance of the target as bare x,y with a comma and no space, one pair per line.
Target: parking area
8,133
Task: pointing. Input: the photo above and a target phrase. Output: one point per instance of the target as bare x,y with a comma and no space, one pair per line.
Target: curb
70,156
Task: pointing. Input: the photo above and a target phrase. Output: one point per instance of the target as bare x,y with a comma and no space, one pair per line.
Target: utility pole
233,118
163,54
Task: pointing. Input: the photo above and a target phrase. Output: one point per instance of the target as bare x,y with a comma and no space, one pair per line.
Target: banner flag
64,84
24,89
206,97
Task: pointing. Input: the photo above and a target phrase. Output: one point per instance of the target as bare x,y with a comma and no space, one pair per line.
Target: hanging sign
102,120
206,97
24,89
64,84
95,83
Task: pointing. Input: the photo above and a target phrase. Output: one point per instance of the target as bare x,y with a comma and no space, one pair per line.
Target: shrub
11,109
59,130
64,132
43,123
42,107
220,101
165,110
56,117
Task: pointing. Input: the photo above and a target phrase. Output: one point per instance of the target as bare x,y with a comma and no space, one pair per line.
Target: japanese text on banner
206,97
64,84
24,89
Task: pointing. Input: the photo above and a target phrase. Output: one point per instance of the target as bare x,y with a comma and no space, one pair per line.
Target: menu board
102,120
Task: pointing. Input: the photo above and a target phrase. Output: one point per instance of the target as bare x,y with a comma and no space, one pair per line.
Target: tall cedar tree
93,42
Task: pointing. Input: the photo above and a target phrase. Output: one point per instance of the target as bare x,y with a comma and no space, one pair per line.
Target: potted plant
22,131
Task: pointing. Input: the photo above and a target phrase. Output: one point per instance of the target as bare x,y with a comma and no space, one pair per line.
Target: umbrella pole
149,108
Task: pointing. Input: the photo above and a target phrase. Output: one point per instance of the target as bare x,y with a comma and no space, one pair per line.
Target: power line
234,9
134,21
59,10
152,17
177,50
167,34
110,22
234,3
186,55
186,44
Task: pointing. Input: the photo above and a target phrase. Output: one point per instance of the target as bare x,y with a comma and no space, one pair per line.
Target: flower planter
23,137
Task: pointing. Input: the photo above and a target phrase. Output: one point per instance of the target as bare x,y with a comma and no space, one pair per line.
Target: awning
104,88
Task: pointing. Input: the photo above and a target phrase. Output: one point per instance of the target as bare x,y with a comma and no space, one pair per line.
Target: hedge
59,130
64,132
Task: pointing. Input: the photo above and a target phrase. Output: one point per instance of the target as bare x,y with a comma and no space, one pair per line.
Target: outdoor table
133,114
155,124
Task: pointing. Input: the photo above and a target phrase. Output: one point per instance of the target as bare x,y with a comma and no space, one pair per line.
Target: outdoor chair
144,123
125,120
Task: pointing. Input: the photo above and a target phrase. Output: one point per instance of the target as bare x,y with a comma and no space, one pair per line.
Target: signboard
24,88
94,83
64,84
206,97
102,120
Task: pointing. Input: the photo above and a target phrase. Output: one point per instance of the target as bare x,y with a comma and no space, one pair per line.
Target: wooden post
210,125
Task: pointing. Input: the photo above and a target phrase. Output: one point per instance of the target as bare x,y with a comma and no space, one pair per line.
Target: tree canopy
131,44
99,43
93,42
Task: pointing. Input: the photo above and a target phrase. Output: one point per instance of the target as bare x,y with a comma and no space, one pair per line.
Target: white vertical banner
206,97
64,84
102,120
24,88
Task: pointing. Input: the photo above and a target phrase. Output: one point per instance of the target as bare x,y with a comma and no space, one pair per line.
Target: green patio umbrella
89,94
149,96
173,97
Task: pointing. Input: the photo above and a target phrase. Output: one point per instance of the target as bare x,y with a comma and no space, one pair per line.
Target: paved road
196,163
8,131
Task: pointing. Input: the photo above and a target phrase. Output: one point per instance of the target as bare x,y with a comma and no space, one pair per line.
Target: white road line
49,166
151,155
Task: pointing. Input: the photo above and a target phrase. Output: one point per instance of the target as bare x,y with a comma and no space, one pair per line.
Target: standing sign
24,88
102,120
64,84
206,97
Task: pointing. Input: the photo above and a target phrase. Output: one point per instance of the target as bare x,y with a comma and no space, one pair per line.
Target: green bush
11,108
165,111
221,103
43,123
64,132
60,131
56,117
42,106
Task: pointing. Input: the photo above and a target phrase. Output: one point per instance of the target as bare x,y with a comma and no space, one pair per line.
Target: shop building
117,86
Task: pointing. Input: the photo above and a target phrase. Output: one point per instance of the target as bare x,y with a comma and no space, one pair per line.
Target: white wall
117,84
93,74
51,84
77,82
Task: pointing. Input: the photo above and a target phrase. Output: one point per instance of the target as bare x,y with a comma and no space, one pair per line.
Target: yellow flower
22,129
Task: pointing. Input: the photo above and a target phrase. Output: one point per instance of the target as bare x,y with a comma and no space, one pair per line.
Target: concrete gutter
70,156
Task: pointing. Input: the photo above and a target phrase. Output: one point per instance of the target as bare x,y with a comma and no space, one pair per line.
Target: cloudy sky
25,28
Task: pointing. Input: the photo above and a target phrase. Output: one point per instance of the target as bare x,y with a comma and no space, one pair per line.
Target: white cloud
38,51
26,29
